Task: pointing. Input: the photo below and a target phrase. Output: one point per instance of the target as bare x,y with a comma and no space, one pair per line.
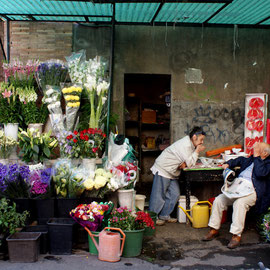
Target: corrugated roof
211,12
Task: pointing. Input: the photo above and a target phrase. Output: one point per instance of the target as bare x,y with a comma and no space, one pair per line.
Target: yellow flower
70,104
64,90
89,184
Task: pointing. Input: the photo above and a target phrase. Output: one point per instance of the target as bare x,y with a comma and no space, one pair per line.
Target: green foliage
33,114
35,146
9,218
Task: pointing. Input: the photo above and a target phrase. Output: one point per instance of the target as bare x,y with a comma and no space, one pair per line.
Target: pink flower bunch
39,188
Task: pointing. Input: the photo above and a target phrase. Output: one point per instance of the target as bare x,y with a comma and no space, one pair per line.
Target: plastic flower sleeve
72,95
76,187
52,97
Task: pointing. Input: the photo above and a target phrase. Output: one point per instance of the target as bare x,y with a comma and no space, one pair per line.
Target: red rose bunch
85,143
145,219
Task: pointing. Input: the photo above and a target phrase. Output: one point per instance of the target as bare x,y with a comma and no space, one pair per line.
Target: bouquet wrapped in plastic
72,95
94,216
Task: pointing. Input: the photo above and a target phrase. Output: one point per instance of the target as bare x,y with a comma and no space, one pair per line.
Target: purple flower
46,176
24,172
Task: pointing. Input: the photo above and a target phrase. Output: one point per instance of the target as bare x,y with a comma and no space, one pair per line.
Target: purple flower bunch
51,73
14,180
40,182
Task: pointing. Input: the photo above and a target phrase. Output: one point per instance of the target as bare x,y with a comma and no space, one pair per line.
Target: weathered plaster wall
218,103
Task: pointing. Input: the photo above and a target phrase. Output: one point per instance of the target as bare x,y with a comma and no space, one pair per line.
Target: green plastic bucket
133,243
150,231
92,248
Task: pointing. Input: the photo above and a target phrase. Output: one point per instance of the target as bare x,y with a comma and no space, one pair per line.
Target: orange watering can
109,244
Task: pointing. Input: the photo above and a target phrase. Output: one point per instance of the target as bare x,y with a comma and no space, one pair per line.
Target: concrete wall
217,104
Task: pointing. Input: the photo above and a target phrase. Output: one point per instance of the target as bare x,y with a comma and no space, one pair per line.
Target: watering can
109,244
200,214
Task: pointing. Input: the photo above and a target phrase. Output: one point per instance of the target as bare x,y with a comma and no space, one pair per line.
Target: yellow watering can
200,214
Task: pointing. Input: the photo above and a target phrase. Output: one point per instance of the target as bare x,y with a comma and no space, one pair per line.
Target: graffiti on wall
208,93
221,125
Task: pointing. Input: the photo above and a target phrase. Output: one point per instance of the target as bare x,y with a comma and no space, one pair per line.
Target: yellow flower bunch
71,97
73,104
68,90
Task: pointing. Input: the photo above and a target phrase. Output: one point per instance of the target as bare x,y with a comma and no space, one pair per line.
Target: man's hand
257,150
225,166
182,166
200,148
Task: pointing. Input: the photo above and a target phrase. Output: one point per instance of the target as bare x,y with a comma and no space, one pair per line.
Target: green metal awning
148,12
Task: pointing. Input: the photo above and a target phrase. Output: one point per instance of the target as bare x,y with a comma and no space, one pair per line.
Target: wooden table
199,174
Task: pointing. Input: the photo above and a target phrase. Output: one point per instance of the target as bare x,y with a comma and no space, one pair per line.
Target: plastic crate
61,235
23,246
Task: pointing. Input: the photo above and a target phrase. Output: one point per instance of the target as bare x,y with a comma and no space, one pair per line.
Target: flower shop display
92,75
52,72
95,183
14,181
83,144
133,225
9,109
31,113
94,216
7,144
36,147
19,74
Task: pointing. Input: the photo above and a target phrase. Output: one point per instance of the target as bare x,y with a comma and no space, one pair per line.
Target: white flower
57,103
104,100
49,92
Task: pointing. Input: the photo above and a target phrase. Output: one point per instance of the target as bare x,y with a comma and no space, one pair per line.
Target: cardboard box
149,117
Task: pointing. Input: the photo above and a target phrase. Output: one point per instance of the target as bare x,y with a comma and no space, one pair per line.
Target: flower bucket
126,198
38,126
140,201
89,164
149,231
11,130
92,248
133,243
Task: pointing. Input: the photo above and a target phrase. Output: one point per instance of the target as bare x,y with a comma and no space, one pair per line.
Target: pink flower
7,94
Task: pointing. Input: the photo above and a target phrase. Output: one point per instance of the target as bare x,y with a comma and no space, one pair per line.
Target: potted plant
34,116
10,109
10,220
36,147
7,144
133,225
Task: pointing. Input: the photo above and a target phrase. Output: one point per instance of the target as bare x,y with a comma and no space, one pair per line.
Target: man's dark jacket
260,178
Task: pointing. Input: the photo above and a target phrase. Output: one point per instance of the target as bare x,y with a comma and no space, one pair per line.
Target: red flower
84,131
74,140
104,135
94,149
86,138
76,132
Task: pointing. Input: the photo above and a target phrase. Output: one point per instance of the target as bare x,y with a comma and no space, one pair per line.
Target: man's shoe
172,220
235,242
211,235
160,222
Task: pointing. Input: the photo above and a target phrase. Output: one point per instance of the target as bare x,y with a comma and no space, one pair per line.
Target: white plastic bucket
140,201
126,198
181,216
11,130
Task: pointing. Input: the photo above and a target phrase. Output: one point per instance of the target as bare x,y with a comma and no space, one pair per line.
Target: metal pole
8,42
111,76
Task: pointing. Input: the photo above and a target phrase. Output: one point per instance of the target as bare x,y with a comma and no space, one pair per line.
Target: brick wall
40,40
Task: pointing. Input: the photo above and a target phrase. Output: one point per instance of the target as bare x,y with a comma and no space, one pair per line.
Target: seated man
251,187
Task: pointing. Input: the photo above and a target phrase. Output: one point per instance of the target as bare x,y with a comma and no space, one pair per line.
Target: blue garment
164,196
260,178
247,173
